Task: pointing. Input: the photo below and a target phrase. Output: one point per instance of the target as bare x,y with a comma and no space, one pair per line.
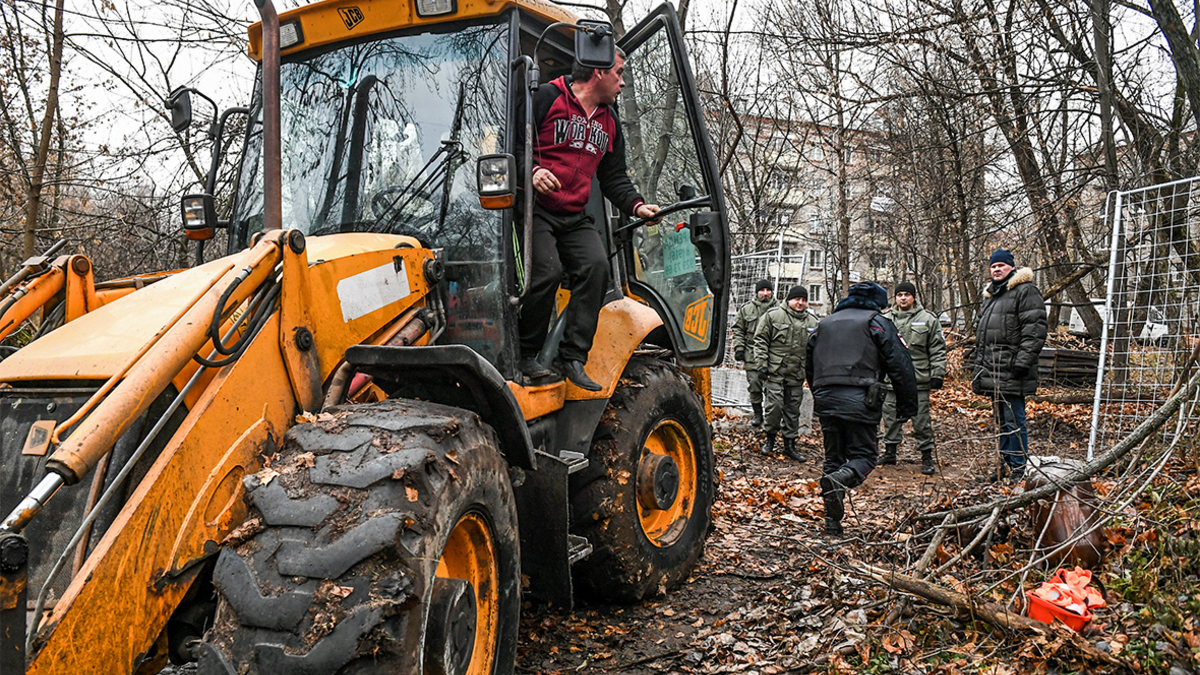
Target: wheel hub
450,640
658,481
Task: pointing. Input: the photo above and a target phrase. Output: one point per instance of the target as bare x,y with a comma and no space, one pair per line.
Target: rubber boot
833,493
834,511
768,446
789,450
927,463
757,420
889,455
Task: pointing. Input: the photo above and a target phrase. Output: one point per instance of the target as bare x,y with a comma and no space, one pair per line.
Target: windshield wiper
451,155
392,211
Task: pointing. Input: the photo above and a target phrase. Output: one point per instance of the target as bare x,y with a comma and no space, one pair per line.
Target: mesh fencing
729,380
1151,317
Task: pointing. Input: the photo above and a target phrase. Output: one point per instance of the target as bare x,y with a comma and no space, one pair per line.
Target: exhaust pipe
272,145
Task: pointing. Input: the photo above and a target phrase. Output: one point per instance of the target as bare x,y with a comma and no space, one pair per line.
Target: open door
681,266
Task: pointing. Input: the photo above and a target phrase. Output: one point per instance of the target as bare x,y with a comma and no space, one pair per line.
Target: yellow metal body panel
702,378
624,324
539,400
115,332
119,602
191,498
334,21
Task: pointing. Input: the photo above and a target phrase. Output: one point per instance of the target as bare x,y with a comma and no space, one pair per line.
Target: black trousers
850,444
571,242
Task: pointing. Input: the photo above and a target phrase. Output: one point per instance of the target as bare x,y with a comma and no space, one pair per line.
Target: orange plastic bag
1068,596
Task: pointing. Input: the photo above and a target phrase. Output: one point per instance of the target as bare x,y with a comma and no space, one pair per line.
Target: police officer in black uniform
849,354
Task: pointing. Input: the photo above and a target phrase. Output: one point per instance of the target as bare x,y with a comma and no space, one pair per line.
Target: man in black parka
1008,342
849,354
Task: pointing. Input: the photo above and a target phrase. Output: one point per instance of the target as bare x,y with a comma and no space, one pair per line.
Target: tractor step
578,548
575,460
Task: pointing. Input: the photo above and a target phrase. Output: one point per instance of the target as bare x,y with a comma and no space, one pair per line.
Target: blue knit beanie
871,291
1003,255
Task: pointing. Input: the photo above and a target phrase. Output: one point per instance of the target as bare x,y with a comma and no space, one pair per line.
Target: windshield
382,137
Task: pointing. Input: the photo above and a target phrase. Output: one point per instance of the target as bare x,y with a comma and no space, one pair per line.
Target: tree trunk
33,192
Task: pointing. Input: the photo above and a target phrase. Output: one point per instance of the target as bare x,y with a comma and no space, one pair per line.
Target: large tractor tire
386,543
645,499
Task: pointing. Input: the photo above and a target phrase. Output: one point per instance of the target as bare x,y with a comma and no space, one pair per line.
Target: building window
816,258
785,219
814,293
878,259
815,226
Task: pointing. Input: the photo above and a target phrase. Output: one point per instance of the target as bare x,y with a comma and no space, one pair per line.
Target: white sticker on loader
374,289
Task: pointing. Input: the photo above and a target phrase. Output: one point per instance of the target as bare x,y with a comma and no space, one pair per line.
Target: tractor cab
384,122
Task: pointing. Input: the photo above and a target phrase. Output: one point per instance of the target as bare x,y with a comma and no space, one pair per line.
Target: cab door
680,266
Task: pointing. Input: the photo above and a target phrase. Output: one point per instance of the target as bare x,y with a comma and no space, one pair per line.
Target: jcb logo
697,318
351,16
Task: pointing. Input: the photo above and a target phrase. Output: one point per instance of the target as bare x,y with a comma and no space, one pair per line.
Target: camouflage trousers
922,428
788,407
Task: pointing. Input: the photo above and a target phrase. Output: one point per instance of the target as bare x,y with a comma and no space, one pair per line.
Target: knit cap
1003,255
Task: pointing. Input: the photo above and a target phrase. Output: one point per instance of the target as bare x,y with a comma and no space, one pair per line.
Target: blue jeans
1009,411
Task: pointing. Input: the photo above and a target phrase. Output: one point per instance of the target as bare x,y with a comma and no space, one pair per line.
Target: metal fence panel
1151,312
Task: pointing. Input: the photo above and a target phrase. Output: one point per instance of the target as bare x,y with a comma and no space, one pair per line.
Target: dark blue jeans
1009,412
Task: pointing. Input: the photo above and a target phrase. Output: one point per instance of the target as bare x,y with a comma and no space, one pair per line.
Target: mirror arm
218,134
704,200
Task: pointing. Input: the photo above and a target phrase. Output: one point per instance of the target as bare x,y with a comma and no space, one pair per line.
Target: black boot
533,369
927,463
789,449
757,420
833,493
768,446
574,372
838,481
834,511
889,455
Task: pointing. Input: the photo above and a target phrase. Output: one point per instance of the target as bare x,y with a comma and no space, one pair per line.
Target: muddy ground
768,596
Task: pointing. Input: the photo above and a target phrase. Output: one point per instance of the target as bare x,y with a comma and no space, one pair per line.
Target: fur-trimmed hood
1023,275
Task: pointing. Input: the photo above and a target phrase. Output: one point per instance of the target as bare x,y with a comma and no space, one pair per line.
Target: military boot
833,493
789,450
889,455
927,463
768,446
757,420
834,511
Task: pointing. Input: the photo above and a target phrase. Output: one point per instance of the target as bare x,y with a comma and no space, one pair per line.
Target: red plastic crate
1047,612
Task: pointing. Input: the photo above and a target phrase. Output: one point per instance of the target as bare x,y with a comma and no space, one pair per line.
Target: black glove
935,383
739,355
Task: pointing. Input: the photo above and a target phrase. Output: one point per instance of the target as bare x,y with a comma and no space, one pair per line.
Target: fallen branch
1098,464
997,615
922,564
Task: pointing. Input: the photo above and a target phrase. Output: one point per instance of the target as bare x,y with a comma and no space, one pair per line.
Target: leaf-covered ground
773,595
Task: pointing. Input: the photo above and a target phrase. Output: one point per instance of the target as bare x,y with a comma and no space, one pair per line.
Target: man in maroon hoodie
578,137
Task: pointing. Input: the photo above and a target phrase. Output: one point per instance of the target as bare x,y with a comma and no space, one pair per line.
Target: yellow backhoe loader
316,453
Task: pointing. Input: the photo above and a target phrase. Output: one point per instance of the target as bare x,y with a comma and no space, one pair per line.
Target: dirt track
765,598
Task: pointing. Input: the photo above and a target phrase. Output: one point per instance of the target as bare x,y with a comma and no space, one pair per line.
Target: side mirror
180,105
686,192
497,184
199,216
595,45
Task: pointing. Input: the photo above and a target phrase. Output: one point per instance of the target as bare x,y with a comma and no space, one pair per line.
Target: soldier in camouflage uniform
922,335
780,345
743,348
